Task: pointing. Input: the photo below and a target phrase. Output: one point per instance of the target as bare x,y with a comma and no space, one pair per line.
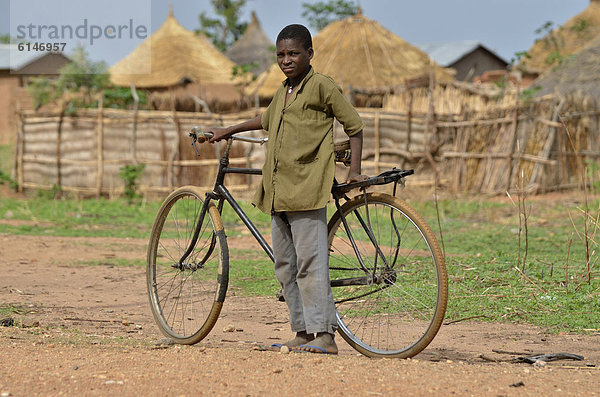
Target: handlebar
203,136
200,136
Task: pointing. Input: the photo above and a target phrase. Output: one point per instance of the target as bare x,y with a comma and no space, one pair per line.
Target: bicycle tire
397,309
186,300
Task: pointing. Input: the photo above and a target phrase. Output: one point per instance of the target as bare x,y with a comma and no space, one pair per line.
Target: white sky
506,26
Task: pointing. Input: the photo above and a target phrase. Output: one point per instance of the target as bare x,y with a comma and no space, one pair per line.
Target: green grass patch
233,224
481,240
11,310
77,218
252,273
6,158
113,262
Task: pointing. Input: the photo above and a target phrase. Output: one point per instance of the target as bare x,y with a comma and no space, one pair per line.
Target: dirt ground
85,329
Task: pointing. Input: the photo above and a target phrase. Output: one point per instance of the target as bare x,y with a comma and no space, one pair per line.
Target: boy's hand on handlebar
219,134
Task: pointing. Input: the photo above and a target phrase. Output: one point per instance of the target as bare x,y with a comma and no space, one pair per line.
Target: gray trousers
302,268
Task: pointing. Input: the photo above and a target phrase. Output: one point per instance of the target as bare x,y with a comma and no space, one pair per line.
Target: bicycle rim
393,304
186,299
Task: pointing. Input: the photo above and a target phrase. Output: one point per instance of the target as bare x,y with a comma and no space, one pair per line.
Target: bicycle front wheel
186,297
388,277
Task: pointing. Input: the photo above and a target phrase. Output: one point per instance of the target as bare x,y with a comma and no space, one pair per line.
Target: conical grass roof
253,46
578,75
177,55
360,53
564,41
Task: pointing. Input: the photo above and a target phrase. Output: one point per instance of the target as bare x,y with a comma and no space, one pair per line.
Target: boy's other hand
354,177
219,134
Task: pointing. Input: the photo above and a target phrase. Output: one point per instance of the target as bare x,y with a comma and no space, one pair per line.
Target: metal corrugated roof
13,59
446,53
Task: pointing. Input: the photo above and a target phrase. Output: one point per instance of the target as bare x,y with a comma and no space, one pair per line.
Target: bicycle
387,271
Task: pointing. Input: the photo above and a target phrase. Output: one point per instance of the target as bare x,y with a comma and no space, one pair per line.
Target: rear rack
393,175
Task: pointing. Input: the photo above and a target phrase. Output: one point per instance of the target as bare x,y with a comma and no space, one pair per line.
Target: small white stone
539,363
284,349
229,328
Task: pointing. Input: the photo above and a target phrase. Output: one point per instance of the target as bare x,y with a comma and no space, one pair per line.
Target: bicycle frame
221,194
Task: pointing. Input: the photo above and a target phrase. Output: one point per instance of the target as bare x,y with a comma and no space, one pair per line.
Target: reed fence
538,145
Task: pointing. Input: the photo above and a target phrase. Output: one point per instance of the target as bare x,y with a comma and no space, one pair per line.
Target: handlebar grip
201,136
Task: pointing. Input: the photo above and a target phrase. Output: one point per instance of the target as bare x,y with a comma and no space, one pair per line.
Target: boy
296,184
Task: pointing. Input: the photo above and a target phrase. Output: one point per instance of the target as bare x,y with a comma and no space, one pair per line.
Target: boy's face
293,58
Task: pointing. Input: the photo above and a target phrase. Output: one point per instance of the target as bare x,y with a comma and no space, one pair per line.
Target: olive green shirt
300,166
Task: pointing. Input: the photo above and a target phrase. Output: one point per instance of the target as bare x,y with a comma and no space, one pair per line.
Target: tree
79,83
322,13
226,28
4,38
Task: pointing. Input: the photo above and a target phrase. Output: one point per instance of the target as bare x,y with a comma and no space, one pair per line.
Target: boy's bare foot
323,343
300,339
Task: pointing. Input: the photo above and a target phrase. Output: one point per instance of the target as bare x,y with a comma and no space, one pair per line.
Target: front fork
181,263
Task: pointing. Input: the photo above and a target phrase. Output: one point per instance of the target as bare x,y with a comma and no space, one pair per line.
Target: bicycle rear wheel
390,298
186,298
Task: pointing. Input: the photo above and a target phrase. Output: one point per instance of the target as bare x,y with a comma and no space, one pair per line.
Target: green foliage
83,73
553,42
321,14
242,70
42,90
5,38
527,94
130,175
122,97
80,83
518,56
226,28
580,25
555,57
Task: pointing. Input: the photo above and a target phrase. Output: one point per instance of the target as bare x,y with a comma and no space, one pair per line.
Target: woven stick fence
83,153
539,146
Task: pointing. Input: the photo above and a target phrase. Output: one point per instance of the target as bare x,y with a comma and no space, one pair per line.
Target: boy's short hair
297,32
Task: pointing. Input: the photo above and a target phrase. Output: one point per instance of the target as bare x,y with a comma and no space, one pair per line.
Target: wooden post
408,121
58,142
430,121
136,101
377,142
513,145
176,169
19,152
550,141
100,146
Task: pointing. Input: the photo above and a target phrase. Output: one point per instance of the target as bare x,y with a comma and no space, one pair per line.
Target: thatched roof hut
252,46
360,53
564,41
178,56
579,75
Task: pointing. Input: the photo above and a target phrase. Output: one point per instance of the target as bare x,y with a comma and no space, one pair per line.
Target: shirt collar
286,82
